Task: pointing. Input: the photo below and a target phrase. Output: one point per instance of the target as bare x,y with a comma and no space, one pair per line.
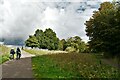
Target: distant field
71,65
4,53
42,52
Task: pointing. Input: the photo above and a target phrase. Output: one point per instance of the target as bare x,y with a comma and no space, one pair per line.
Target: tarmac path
18,69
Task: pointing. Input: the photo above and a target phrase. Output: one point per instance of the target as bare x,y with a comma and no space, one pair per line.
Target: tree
102,29
32,42
44,40
39,34
76,44
51,39
62,44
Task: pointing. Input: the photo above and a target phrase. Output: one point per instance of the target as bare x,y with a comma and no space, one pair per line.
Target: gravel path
18,69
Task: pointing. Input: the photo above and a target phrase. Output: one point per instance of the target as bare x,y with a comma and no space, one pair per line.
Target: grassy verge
71,65
47,68
4,56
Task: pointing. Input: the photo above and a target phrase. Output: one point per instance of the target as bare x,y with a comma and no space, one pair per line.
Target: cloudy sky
20,18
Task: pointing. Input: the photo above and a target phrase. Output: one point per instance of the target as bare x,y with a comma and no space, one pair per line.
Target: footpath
18,69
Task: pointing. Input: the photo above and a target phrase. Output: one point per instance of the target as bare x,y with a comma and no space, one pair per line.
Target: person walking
18,52
12,52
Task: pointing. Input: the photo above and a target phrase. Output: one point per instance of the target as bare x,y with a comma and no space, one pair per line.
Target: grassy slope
4,56
71,65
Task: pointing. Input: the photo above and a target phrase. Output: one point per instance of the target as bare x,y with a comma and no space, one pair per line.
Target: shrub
71,49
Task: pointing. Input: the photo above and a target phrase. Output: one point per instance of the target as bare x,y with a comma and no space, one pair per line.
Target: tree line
48,40
103,29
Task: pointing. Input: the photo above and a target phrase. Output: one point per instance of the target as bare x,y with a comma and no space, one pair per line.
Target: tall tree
102,29
51,39
39,34
44,40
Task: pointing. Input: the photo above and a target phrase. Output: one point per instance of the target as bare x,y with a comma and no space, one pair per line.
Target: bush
71,49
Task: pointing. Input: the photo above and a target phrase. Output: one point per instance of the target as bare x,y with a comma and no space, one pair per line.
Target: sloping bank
4,53
71,65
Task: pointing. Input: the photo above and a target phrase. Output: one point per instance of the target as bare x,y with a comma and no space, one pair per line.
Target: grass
48,67
71,65
42,52
36,52
4,56
112,61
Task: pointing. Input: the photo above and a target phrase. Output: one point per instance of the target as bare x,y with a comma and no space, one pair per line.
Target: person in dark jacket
12,52
18,52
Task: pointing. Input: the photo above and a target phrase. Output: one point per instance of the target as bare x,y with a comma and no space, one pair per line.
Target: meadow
4,53
71,65
42,51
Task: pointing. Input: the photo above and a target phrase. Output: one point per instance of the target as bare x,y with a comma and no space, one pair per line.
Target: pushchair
12,52
11,56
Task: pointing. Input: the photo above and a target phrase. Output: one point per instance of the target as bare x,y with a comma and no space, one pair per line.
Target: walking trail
18,68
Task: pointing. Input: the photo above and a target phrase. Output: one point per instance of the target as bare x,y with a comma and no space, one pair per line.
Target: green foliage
4,58
39,34
76,44
62,45
71,49
32,41
71,65
48,40
51,39
44,40
103,30
4,53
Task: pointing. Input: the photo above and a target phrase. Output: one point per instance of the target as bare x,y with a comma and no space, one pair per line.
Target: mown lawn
4,53
71,65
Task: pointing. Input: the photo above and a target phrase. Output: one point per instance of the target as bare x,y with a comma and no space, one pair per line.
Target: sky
20,18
